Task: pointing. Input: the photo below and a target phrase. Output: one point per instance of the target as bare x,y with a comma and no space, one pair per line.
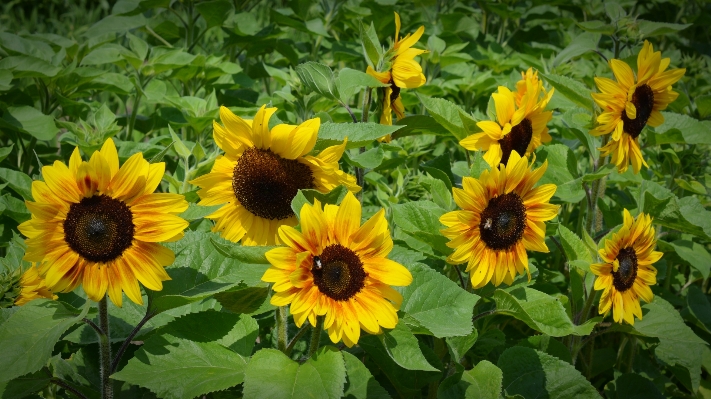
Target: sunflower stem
107,389
296,338
282,333
366,104
316,336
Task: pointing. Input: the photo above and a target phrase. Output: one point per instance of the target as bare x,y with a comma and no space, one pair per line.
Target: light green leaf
420,219
446,113
686,214
597,27
481,382
303,197
361,383
115,24
437,303
562,171
319,78
358,134
540,311
31,121
18,181
28,337
419,124
580,45
368,160
350,80
703,105
571,89
574,247
215,12
200,271
678,128
6,80
372,48
533,374
246,300
441,195
180,147
26,66
459,346
651,28
177,368
195,212
694,254
270,374
404,349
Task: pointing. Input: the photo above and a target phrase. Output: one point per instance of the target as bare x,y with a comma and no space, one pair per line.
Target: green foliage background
152,74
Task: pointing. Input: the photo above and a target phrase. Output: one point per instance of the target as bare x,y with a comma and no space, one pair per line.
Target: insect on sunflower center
517,140
643,100
265,183
624,277
339,273
99,228
503,222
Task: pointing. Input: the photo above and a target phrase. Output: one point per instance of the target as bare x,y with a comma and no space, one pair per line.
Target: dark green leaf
18,181
31,121
361,383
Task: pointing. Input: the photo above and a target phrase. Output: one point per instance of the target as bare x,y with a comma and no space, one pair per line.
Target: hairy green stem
316,336
282,333
107,389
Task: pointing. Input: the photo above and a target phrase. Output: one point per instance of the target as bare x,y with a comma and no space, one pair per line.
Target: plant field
355,199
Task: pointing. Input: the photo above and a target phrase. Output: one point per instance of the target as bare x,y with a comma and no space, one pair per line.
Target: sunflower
338,269
97,225
32,286
262,171
403,72
627,271
502,216
628,106
520,128
522,85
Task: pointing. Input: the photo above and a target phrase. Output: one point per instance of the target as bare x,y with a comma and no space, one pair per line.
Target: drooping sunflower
403,72
32,286
627,272
502,216
628,106
261,172
521,128
338,269
99,226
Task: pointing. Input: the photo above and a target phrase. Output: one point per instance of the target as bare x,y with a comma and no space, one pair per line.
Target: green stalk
107,389
316,336
282,334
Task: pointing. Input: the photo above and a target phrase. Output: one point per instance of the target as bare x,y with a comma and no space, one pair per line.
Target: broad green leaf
533,374
597,27
694,254
372,48
116,24
107,54
25,386
270,374
437,303
600,173
635,386
686,214
361,383
678,128
562,171
651,28
440,168
214,12
350,80
446,113
319,78
481,382
579,121
703,105
138,46
404,349
419,124
195,212
246,300
540,311
420,219
31,121
178,144
28,337
6,81
698,305
479,165
26,66
573,246
170,60
580,45
368,160
18,181
441,195
358,134
235,332
692,186
14,208
549,345
200,271
178,368
571,89
303,197
459,346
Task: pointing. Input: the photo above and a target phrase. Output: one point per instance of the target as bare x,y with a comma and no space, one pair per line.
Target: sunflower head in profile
502,215
627,272
520,128
261,171
32,286
629,105
99,226
401,71
337,269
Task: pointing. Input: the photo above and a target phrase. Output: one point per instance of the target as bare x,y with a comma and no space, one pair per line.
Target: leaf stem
61,383
282,333
461,278
149,315
296,338
366,104
316,336
484,314
107,389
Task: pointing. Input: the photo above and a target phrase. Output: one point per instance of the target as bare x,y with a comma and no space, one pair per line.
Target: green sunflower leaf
201,270
404,349
319,78
572,89
678,128
447,114
18,181
533,374
562,171
28,337
481,382
361,383
652,28
271,374
540,311
358,134
31,121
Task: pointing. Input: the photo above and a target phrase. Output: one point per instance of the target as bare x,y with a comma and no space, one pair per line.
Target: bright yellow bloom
337,269
628,106
32,286
502,216
99,226
627,271
522,85
519,128
404,72
261,171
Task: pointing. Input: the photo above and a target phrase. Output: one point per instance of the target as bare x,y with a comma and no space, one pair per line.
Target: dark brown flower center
518,139
395,91
643,100
99,228
624,277
503,221
265,183
338,272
